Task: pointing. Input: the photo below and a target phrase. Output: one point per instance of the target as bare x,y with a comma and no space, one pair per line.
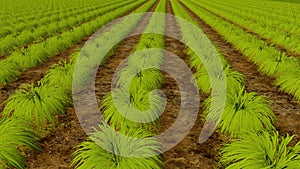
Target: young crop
15,133
261,150
125,149
243,112
60,74
9,71
140,106
234,79
37,103
290,82
134,77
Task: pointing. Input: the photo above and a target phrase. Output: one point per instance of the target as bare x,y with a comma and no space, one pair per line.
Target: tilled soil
188,154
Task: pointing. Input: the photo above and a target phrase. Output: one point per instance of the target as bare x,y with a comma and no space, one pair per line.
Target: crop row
34,106
18,17
133,92
247,117
258,25
282,21
269,60
38,34
15,64
279,8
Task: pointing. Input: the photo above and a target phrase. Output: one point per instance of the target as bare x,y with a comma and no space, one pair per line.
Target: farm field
227,72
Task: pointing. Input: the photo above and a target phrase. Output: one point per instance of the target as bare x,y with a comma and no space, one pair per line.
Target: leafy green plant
234,79
9,71
140,106
243,112
15,133
60,74
261,150
37,103
107,148
134,77
290,82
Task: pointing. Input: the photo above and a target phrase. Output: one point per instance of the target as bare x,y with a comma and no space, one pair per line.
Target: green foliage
37,103
134,77
261,151
140,106
9,71
15,133
243,112
109,149
234,79
290,82
60,74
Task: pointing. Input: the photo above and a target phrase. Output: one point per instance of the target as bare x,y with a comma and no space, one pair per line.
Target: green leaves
290,82
243,112
261,150
60,74
132,110
234,79
37,103
15,133
126,149
9,71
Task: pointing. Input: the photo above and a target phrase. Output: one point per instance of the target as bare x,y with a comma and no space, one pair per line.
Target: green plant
133,77
125,149
15,133
243,112
290,82
234,79
261,150
140,106
60,74
37,103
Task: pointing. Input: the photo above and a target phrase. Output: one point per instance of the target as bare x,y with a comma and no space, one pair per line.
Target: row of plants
247,117
12,42
30,110
128,108
10,23
284,20
269,60
35,106
257,24
14,65
278,6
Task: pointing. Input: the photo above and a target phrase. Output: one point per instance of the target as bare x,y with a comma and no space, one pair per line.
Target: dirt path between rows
188,154
286,109
59,145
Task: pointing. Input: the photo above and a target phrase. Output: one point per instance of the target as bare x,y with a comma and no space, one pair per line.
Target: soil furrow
286,109
59,145
188,153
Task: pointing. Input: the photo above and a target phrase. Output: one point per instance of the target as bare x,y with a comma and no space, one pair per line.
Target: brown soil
59,146
188,153
286,109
